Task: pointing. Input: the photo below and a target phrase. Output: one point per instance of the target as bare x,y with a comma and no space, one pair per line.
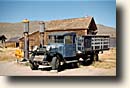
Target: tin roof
13,39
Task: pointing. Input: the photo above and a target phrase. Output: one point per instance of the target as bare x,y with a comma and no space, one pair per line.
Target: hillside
16,29
106,30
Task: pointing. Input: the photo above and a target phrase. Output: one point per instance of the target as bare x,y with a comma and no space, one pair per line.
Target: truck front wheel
55,63
33,66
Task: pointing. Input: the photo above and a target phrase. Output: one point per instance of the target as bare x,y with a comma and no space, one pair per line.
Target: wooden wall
78,32
34,40
10,44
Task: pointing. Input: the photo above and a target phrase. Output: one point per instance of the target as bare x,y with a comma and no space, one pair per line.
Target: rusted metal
42,30
26,39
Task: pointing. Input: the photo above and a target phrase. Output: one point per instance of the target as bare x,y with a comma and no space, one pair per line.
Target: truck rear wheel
88,60
55,63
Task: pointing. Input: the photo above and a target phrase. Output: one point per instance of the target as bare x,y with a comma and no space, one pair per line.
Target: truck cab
63,43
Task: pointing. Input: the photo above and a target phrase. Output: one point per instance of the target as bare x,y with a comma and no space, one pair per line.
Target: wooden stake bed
93,43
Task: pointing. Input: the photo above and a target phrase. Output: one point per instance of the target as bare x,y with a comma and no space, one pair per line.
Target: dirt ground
105,67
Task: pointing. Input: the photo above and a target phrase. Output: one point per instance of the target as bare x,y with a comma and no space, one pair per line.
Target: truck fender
61,57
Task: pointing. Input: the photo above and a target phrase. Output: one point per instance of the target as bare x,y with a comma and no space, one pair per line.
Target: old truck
67,47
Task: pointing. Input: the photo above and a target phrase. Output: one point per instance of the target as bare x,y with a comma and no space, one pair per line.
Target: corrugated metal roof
13,39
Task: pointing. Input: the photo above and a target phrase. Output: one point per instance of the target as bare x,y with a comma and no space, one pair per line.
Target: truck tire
33,66
88,60
55,63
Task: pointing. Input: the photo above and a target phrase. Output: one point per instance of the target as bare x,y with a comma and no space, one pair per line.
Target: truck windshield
56,39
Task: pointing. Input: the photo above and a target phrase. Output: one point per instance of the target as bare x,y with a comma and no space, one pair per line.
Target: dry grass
7,54
107,59
105,65
108,55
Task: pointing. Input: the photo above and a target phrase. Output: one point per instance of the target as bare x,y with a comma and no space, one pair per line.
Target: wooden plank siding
10,44
34,40
78,32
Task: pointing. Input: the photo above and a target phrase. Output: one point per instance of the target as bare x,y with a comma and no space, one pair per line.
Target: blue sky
104,12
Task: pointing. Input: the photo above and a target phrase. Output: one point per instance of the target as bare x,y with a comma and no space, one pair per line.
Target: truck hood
53,46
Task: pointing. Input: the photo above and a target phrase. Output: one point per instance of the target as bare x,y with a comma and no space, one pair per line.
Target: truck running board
43,66
71,61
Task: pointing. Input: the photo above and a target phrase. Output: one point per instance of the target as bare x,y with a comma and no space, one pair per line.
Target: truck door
70,46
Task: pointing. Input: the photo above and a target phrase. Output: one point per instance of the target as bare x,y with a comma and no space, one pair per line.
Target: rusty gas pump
42,30
26,39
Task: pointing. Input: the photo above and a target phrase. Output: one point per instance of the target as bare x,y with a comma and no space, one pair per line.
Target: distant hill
16,29
106,30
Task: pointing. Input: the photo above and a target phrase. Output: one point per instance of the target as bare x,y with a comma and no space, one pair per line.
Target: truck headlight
48,48
79,52
35,48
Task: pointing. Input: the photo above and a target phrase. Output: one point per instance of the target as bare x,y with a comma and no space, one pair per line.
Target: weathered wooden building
34,39
82,26
12,42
